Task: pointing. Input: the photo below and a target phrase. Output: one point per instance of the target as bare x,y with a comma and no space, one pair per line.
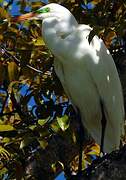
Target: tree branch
16,60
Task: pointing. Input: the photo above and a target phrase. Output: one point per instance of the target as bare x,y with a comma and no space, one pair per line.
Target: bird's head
52,10
49,10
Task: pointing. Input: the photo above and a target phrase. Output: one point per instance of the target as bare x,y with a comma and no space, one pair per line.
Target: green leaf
32,127
42,122
26,141
63,122
55,127
43,143
1,121
5,140
3,171
85,2
44,132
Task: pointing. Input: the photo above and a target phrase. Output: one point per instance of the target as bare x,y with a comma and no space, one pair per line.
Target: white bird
86,70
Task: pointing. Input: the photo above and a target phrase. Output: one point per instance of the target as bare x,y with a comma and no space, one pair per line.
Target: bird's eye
44,10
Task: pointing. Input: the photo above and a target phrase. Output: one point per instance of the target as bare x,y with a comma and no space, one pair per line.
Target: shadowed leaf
12,71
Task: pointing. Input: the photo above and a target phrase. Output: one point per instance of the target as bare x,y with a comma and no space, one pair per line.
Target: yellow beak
23,17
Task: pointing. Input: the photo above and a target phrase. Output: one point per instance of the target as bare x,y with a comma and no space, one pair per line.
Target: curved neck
54,31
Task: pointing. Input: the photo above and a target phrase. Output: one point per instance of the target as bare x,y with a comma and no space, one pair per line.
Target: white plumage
86,71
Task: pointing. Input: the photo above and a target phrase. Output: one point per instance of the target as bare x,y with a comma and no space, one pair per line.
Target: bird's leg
103,123
80,140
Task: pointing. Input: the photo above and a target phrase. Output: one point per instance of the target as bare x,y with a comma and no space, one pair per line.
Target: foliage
33,106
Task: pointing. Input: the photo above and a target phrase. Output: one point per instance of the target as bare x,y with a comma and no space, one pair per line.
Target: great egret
86,71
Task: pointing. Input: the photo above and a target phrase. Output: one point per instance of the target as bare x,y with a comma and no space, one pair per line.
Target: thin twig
17,61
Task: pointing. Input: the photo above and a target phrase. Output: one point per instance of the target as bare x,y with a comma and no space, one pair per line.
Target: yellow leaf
74,137
1,37
108,39
93,149
3,13
12,71
62,165
96,1
39,42
53,166
36,5
43,143
1,122
6,128
5,140
4,153
10,105
1,165
3,171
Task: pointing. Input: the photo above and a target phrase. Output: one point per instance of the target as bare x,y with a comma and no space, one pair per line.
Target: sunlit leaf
42,121
32,127
6,128
85,1
5,140
94,150
63,122
5,3
74,137
88,159
4,153
3,171
1,122
62,165
39,42
26,24
1,1
53,166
